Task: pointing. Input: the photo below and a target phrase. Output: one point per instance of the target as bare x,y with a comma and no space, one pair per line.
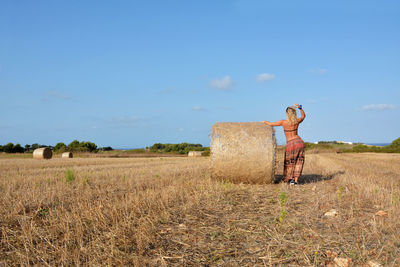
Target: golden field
168,212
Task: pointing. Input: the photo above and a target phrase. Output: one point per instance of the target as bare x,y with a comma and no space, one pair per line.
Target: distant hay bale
243,152
42,153
194,153
66,155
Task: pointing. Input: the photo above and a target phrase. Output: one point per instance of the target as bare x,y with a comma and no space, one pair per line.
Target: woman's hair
291,115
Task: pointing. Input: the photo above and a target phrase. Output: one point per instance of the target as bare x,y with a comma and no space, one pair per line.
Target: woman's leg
289,165
298,168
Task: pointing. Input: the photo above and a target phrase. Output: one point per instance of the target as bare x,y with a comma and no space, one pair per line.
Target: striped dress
294,159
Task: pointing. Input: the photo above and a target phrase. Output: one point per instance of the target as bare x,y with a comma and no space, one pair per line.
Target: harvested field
168,212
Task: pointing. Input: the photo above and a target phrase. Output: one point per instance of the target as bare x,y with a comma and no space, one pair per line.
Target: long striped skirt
294,159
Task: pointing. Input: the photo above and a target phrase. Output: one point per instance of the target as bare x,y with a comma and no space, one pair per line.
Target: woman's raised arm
277,123
303,114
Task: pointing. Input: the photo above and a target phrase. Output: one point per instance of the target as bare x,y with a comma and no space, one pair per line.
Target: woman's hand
296,105
266,122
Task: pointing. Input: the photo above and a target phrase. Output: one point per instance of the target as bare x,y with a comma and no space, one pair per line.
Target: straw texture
42,153
243,152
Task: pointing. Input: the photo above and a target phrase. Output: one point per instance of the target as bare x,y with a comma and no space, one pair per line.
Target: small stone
331,213
373,264
181,225
342,262
381,213
314,188
331,254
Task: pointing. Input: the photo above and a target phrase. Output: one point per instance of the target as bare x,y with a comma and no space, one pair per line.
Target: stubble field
168,212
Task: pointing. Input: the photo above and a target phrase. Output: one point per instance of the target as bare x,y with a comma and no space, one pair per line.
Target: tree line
182,148
86,146
394,147
74,146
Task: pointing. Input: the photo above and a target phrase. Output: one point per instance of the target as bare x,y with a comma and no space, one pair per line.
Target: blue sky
132,73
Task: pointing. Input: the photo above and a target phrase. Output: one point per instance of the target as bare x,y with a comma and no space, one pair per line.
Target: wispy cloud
318,71
198,108
263,77
378,107
224,83
54,95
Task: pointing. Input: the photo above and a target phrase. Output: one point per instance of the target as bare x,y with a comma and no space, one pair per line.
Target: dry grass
168,212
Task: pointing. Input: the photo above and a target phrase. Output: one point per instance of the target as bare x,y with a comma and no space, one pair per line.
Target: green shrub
182,148
69,176
60,147
206,153
106,148
394,147
83,146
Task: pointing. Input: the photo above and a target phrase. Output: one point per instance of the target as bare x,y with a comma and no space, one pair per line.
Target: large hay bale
195,153
66,155
42,153
243,152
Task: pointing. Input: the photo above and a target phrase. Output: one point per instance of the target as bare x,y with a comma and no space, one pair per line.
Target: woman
294,152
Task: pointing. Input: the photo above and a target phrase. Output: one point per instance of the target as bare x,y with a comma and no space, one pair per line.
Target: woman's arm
303,114
277,123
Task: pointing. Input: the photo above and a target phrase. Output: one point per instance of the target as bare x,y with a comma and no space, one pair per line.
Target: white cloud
379,107
198,108
263,77
319,71
224,83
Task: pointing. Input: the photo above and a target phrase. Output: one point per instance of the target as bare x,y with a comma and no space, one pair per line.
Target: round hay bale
67,155
195,153
42,153
243,152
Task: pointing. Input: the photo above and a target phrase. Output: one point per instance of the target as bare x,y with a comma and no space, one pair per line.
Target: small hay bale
243,152
194,153
42,153
67,155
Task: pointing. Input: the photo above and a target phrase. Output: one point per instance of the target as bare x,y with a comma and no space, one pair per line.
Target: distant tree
9,148
60,147
106,148
181,148
157,147
396,143
1,149
34,146
74,145
82,146
27,147
88,146
18,149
